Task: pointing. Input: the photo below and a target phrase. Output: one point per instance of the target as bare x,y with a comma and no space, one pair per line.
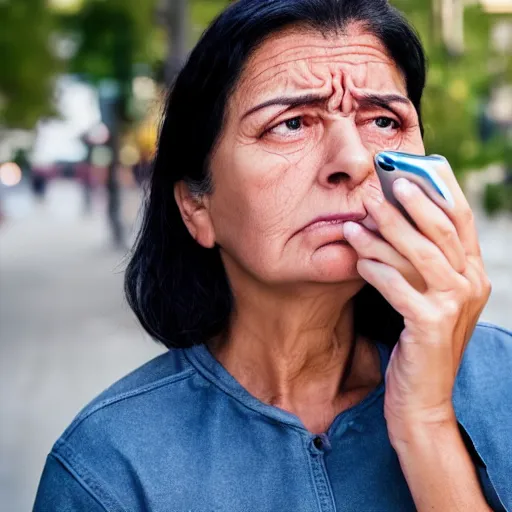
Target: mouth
333,220
327,230
336,242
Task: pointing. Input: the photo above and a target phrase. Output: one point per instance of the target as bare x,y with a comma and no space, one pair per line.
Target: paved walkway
66,333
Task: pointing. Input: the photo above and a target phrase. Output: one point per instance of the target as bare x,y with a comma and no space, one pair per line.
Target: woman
280,280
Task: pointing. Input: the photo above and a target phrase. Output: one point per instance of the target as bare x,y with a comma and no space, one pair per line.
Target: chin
335,263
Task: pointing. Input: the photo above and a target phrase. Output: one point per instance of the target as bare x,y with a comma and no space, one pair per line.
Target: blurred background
81,88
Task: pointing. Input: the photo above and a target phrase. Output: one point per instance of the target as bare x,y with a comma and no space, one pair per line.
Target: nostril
337,177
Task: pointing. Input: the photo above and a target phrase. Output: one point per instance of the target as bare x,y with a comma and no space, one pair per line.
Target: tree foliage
458,87
28,65
112,36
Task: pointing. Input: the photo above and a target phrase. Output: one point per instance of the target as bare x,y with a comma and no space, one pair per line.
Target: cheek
263,184
408,140
412,142
256,205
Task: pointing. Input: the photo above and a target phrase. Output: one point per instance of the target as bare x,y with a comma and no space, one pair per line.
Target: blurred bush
28,65
497,197
459,86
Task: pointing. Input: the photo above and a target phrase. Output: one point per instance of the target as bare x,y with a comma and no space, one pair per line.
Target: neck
293,350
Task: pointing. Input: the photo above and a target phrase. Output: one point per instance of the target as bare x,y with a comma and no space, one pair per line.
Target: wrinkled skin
273,180
279,167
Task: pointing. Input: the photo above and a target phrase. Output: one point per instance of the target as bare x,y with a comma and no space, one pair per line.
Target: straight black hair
178,289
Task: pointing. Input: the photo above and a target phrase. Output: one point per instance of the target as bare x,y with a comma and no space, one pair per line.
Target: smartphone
391,165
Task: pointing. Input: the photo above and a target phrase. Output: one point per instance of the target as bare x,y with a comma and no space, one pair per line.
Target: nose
347,160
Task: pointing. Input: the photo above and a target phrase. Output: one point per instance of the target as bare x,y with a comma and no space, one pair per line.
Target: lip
338,218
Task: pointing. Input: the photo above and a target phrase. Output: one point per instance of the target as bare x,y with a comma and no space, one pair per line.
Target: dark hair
178,289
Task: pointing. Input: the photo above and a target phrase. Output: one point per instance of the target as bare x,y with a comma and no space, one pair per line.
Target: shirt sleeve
483,407
60,491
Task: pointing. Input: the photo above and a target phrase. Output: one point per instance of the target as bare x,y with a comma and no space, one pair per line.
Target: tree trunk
452,12
178,20
436,21
114,192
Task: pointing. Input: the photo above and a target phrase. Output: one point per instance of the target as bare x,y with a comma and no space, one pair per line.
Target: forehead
303,59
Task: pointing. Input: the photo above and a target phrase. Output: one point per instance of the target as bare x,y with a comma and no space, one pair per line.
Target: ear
195,214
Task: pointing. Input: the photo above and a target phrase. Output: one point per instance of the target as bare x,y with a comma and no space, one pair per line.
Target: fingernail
351,228
403,187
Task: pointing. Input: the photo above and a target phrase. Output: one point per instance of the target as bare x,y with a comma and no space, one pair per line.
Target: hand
440,315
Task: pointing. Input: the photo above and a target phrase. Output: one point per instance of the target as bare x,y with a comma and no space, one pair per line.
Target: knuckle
467,216
487,286
484,287
435,316
448,234
429,257
451,308
465,288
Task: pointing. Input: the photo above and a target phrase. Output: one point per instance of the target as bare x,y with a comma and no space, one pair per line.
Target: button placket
318,446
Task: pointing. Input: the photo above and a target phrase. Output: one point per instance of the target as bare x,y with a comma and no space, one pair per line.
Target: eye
387,122
293,124
289,126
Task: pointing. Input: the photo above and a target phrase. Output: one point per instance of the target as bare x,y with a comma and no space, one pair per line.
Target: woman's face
302,127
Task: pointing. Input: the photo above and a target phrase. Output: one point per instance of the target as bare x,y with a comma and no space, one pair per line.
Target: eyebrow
367,101
383,100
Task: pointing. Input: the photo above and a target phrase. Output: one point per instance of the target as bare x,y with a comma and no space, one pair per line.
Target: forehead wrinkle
309,65
326,46
291,81
345,57
302,51
310,68
297,78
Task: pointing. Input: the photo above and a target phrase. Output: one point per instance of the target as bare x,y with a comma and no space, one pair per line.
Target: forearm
439,471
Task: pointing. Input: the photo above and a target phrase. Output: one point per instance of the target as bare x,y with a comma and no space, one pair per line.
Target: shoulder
491,339
135,396
487,359
124,430
484,379
159,373
482,403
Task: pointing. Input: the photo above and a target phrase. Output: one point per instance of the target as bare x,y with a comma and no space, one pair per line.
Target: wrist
438,468
417,432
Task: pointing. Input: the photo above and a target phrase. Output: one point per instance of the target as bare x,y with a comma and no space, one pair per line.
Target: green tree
114,37
28,66
457,87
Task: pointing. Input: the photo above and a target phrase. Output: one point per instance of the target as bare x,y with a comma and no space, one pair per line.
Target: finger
369,246
425,256
432,221
461,215
393,287
479,294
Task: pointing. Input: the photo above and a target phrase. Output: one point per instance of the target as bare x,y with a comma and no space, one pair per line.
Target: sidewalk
66,332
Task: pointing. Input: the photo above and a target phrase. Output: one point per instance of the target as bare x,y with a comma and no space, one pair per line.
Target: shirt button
319,444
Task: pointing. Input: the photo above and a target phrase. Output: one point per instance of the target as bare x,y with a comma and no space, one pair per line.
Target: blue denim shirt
180,434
